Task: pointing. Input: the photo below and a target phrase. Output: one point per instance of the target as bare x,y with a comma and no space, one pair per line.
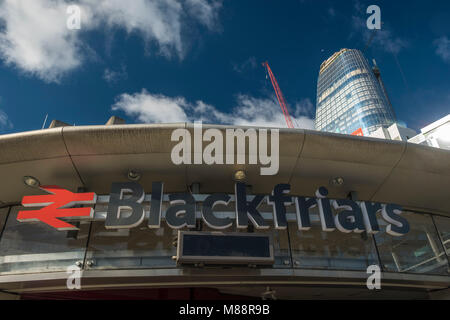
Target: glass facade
330,250
36,247
139,247
419,251
29,247
443,226
349,96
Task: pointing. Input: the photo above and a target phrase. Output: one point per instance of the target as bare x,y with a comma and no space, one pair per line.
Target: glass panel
419,251
330,250
443,226
3,216
139,247
33,246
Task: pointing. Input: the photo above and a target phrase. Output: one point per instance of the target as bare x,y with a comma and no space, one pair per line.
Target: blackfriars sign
126,210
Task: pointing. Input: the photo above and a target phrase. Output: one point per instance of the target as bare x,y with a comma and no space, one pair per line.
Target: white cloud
112,76
304,108
383,39
266,112
4,121
152,108
248,64
157,20
36,40
443,48
204,11
249,111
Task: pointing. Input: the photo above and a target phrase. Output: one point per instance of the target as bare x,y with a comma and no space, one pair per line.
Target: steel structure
279,94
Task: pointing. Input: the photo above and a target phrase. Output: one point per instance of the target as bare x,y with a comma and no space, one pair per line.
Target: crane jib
279,95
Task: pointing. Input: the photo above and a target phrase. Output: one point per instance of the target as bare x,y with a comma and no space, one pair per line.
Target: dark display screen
226,246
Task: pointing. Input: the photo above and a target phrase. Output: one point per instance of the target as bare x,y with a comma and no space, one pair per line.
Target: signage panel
126,209
228,248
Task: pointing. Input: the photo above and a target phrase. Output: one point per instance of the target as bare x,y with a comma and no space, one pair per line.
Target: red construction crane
279,94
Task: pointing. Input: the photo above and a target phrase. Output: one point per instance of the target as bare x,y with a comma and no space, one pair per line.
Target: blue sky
172,61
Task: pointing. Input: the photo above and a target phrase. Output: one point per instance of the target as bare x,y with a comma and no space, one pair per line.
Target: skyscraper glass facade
350,97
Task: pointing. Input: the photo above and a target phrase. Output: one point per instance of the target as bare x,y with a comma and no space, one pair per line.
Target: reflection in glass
419,251
443,226
27,247
330,250
139,247
33,246
3,216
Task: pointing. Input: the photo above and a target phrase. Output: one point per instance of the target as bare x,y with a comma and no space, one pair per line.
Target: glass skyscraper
351,95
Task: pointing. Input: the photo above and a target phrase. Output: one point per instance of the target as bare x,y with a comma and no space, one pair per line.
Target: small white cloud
205,12
248,64
443,48
265,112
152,108
304,108
112,76
383,39
4,121
249,111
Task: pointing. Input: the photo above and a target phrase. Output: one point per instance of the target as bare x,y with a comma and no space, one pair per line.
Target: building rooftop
330,60
414,176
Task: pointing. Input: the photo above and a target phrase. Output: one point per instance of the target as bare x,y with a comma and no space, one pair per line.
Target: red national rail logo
57,205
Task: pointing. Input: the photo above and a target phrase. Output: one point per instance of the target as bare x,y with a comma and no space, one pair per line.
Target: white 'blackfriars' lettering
351,216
